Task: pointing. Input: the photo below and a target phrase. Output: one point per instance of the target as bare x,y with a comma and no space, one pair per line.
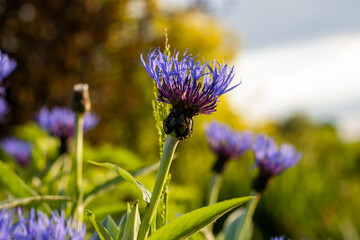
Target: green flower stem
79,122
249,213
169,149
213,192
214,188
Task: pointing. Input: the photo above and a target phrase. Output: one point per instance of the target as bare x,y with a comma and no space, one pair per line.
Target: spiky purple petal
40,227
186,84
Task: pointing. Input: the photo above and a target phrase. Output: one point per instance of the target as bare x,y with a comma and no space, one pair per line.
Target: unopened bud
178,124
81,99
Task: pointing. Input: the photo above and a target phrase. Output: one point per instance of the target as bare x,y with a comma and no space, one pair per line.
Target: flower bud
178,124
81,99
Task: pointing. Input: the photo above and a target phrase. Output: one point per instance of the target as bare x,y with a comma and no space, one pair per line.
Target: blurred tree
60,43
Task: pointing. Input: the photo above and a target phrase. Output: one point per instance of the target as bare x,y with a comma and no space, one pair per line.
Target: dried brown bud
81,99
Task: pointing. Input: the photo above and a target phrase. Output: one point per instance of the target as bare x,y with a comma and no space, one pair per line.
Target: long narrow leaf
33,200
128,177
110,226
102,232
122,224
188,224
132,223
232,223
99,190
13,183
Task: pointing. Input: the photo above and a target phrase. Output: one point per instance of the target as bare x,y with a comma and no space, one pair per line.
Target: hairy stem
169,149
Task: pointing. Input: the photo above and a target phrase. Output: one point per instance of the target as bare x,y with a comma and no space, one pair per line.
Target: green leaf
132,223
110,226
102,232
122,225
16,186
128,177
188,224
232,223
33,200
99,190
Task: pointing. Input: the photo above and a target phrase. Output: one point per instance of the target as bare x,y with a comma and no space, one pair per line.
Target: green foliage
127,177
33,201
13,183
188,224
132,223
101,189
100,229
233,226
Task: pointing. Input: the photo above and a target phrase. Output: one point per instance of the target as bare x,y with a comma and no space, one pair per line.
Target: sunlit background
299,66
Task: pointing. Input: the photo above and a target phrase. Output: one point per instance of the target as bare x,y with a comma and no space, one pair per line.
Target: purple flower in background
272,160
7,65
59,122
187,84
3,108
20,150
278,238
40,227
226,143
191,88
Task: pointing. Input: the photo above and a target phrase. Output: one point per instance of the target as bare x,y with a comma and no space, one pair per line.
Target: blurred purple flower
7,65
18,149
226,142
270,158
3,108
187,85
278,238
60,121
40,228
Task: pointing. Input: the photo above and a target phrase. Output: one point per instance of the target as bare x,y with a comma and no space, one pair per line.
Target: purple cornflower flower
226,143
40,227
278,238
20,150
272,160
59,122
7,65
3,108
191,88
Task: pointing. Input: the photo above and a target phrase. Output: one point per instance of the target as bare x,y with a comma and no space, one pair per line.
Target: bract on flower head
226,143
20,150
272,160
190,87
40,227
60,121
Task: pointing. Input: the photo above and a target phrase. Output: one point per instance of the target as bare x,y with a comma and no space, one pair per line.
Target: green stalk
213,192
79,122
214,188
249,213
169,149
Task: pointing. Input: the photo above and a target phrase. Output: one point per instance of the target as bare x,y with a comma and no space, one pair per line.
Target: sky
295,57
